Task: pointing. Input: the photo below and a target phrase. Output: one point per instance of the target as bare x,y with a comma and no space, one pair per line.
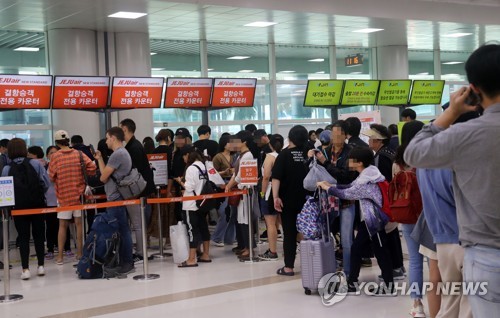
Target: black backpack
28,190
208,188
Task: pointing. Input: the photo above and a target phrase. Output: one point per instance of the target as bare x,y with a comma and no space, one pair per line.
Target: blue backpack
101,249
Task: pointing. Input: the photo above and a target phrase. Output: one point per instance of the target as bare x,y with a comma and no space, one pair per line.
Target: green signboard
394,93
426,92
359,92
323,93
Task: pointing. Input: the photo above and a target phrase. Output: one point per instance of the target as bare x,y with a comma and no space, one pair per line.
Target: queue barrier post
7,297
146,276
162,254
248,200
84,219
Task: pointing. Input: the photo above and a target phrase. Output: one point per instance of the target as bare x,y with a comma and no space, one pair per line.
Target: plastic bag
180,243
316,174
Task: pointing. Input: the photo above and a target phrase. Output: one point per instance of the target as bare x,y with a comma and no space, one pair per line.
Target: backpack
309,219
101,249
28,190
404,197
209,187
386,206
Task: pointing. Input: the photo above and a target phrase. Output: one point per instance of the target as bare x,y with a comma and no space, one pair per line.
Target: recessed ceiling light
321,72
456,35
368,30
153,53
246,71
157,68
316,60
238,57
287,72
27,49
260,24
453,63
127,15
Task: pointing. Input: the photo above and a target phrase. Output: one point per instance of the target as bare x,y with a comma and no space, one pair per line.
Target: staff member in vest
32,178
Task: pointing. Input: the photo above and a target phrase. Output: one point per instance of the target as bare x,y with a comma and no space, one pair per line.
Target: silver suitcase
317,259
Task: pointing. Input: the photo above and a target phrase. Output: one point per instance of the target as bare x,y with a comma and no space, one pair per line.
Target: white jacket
193,185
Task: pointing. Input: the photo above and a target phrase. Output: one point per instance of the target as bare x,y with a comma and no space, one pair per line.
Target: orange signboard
136,92
25,91
188,92
234,92
248,172
82,92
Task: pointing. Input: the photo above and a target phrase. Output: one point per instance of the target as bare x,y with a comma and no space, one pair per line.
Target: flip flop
281,271
200,260
184,264
58,262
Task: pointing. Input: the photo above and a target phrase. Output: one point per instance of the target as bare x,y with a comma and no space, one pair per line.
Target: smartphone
92,150
473,99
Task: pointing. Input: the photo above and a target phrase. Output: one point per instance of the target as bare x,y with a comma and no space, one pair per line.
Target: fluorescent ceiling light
153,53
317,60
424,73
260,24
127,15
321,72
456,35
246,71
453,63
238,57
157,68
287,72
356,73
27,73
27,49
367,30
211,69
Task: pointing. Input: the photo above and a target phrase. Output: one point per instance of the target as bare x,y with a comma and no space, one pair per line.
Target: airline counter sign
81,92
25,91
136,92
188,92
229,92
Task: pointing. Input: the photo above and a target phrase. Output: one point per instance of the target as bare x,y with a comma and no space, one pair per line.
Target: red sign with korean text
234,92
136,92
248,172
25,91
82,92
188,92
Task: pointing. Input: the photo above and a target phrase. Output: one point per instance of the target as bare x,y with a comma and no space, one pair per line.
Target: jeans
416,275
346,235
120,213
482,264
225,231
134,213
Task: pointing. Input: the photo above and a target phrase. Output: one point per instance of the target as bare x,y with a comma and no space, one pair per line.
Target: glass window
291,103
452,65
361,71
421,64
238,60
302,62
32,137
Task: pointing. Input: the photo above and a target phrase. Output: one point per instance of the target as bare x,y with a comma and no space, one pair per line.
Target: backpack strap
204,174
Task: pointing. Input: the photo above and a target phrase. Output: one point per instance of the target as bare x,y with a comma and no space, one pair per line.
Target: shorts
267,206
427,252
68,215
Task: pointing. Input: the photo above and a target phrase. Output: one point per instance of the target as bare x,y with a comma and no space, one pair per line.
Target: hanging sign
25,91
188,92
81,92
136,92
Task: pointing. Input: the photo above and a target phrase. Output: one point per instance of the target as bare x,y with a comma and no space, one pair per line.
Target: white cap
61,135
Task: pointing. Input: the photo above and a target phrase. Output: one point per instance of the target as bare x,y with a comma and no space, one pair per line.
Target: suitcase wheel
307,291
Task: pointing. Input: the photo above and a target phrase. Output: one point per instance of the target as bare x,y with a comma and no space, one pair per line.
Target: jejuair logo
332,288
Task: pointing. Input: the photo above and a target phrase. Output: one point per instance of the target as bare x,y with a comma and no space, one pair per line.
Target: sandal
185,264
59,262
201,260
282,271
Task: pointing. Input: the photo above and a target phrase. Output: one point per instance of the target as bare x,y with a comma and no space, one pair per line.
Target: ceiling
22,23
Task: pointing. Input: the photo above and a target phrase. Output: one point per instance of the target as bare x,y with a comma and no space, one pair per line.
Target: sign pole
160,228
146,276
7,297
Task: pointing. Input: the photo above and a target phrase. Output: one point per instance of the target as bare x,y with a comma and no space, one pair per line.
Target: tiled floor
224,288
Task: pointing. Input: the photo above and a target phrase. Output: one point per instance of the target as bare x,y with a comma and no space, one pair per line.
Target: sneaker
269,256
126,269
353,290
263,236
25,275
69,253
218,244
138,259
382,291
49,256
417,311
40,271
397,274
366,262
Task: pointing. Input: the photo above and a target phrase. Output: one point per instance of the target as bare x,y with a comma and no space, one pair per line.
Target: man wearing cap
177,169
141,162
66,171
380,138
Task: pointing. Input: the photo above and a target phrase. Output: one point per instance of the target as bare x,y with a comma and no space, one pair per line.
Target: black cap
182,132
259,133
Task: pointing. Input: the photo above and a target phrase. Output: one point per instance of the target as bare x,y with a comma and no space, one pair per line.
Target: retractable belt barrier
126,202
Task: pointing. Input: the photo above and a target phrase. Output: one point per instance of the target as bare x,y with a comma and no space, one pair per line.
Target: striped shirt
66,173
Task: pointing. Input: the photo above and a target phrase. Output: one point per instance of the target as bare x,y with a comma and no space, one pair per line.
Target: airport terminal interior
281,44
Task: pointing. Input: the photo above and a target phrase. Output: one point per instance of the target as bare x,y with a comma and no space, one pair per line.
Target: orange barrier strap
96,197
92,206
197,197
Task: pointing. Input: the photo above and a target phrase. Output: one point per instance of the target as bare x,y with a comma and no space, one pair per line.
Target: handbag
132,185
180,243
317,173
235,199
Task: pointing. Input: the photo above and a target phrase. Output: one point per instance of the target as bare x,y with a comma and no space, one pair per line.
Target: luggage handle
327,225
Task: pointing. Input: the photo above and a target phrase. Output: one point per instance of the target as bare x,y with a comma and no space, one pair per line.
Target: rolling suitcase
317,259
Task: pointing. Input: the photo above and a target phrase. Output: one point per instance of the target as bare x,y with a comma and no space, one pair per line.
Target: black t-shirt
211,146
141,162
291,169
